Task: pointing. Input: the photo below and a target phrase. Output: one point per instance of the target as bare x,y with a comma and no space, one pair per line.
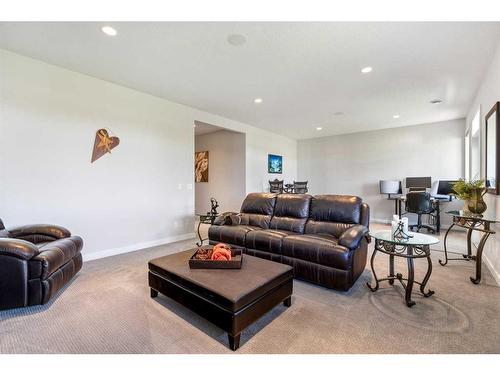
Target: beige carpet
107,309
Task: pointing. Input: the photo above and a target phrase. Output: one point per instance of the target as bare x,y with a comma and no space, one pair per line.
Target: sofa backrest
257,209
333,214
291,212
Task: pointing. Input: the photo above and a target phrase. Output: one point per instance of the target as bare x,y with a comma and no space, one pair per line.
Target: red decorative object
221,251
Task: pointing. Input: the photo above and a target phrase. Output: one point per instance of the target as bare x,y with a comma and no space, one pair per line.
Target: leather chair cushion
291,212
318,248
255,220
54,255
269,240
259,203
231,234
324,227
336,208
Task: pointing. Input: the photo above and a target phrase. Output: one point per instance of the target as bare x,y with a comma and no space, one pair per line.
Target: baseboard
135,247
492,269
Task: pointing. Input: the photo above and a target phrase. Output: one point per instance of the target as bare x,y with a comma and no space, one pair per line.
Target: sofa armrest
49,230
227,218
353,236
18,248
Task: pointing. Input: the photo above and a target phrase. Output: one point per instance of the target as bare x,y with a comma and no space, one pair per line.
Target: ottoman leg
154,293
234,341
288,301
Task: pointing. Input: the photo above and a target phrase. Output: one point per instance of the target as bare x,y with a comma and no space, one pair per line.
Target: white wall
487,95
140,195
354,163
226,171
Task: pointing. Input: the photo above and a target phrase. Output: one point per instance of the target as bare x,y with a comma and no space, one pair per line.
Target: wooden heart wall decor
103,144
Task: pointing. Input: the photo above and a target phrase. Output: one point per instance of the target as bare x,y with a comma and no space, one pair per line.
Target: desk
471,222
436,200
412,248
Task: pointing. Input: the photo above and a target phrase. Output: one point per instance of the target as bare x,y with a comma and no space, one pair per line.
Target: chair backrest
257,209
291,212
333,214
300,187
418,202
276,186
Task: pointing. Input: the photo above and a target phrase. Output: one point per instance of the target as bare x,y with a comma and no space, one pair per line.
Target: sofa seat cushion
318,248
53,255
231,234
269,240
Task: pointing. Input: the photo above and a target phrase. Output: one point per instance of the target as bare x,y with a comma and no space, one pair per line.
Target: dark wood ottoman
232,299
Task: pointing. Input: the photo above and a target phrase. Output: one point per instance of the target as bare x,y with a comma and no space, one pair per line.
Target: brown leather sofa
36,261
323,237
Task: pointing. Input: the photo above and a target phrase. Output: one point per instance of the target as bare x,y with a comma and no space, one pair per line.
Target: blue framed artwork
274,163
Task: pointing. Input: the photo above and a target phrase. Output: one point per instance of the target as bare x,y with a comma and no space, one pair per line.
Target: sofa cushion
257,209
54,255
333,214
317,248
231,234
291,212
269,240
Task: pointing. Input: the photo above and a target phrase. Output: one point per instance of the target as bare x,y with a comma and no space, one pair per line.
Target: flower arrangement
472,193
465,190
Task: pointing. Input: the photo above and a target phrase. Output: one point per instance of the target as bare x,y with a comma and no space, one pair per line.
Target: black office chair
276,186
300,187
420,203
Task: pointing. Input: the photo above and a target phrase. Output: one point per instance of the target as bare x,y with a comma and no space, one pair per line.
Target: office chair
420,203
276,186
300,187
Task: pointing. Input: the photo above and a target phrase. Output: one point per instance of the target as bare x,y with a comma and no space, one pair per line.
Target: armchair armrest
54,231
18,248
353,236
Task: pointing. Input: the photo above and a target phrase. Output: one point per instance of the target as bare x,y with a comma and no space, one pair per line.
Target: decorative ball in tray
218,256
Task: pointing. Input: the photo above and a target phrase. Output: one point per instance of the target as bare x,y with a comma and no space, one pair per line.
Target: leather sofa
36,261
323,237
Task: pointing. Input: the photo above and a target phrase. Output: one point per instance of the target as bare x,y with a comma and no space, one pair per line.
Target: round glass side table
414,247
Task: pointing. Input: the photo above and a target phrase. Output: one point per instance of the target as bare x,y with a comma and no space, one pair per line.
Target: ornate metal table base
204,219
471,223
410,252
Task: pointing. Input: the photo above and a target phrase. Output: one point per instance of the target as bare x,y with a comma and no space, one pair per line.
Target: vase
476,204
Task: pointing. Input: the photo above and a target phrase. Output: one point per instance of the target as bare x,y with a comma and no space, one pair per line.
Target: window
467,156
475,147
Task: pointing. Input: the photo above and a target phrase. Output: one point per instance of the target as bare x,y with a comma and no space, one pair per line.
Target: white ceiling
304,72
204,128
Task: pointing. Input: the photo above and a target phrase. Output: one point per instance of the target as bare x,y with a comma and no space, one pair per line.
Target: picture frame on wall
201,166
274,163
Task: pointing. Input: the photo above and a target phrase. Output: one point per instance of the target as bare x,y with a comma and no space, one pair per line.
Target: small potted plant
472,194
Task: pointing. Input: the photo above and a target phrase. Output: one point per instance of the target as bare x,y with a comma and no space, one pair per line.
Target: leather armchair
36,261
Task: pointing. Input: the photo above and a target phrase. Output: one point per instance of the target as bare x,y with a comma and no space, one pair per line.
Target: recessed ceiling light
366,69
258,100
236,39
319,128
436,101
108,30
395,116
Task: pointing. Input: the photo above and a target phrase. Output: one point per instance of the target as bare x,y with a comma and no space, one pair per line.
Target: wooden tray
234,263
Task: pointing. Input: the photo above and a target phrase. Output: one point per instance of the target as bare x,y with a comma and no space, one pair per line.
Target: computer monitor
418,183
445,187
390,187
